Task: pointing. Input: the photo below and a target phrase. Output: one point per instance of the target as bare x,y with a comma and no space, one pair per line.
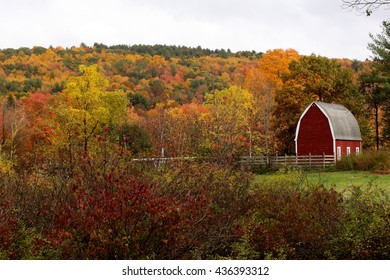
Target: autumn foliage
133,153
187,211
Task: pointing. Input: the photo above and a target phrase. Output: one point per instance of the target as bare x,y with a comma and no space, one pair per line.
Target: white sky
309,26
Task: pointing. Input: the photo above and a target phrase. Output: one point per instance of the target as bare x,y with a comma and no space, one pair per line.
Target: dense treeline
177,51
167,51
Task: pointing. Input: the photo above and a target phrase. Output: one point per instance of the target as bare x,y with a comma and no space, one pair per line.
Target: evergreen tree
380,47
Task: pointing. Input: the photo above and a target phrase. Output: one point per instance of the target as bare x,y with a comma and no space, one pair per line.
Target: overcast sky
321,27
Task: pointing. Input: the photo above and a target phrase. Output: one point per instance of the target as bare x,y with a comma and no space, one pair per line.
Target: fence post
276,160
323,160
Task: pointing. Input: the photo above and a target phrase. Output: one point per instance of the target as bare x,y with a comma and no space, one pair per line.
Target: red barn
328,129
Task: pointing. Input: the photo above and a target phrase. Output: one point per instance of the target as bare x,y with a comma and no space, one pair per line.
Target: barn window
348,151
338,153
357,150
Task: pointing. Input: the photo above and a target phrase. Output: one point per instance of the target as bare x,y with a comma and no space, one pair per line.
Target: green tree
134,138
321,78
380,47
375,90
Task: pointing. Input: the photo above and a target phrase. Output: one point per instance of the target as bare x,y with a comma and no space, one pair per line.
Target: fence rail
277,161
306,161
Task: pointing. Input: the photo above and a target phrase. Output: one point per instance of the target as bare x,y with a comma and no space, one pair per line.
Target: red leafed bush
190,211
231,202
122,218
8,227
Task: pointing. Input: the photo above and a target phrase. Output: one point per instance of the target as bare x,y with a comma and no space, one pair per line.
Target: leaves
310,78
69,187
87,108
228,121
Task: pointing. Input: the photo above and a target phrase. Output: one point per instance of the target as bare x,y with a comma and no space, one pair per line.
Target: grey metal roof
344,124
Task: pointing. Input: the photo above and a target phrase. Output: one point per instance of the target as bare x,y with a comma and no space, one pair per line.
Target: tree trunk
377,127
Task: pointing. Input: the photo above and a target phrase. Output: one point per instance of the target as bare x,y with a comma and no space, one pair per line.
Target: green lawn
339,180
343,179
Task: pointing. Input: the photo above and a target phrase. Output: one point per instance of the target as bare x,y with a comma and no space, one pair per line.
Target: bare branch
365,6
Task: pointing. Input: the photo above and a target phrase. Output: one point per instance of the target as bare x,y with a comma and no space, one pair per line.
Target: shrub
8,226
294,223
374,161
114,210
16,240
122,217
186,211
365,227
294,220
228,191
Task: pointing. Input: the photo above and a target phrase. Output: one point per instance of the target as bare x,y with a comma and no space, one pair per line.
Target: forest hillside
167,87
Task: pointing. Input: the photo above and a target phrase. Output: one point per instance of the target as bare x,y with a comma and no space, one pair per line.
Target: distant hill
148,74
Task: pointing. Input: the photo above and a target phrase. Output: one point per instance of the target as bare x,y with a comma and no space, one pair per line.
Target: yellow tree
228,131
87,108
12,123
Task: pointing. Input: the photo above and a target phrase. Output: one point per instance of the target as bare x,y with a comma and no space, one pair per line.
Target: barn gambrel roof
343,124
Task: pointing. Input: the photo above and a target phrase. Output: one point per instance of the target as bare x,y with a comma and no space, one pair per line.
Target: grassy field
339,180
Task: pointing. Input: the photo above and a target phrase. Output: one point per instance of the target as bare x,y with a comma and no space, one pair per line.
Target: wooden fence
277,161
306,161
158,162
